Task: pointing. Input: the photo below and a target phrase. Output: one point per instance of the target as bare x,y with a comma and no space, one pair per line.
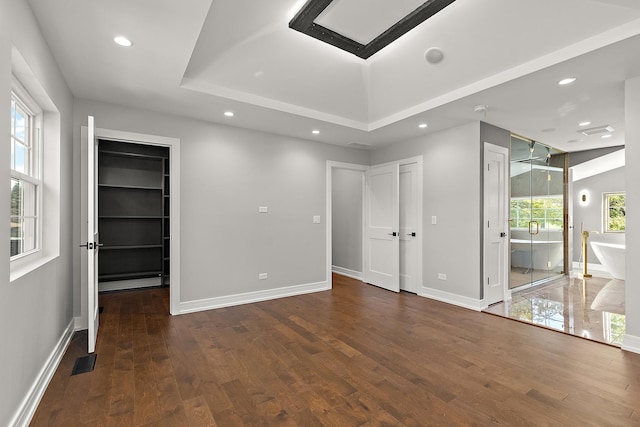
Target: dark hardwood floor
356,355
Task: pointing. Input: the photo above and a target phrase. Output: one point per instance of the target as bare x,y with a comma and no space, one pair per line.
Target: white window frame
605,202
33,173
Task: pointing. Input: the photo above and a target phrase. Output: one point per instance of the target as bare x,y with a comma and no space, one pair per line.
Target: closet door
92,244
382,225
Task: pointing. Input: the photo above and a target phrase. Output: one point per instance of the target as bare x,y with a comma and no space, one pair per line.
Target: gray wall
35,309
632,172
592,215
226,174
578,157
452,193
346,222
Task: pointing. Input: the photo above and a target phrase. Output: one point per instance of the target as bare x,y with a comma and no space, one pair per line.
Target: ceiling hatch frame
303,21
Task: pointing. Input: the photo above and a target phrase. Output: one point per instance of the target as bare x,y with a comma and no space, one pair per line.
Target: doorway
537,213
134,196
393,225
347,218
173,248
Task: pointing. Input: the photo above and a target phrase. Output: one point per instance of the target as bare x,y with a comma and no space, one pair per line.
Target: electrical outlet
263,209
316,219
548,264
442,276
263,276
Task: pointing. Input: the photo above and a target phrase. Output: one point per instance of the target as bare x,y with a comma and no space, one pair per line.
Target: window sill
23,266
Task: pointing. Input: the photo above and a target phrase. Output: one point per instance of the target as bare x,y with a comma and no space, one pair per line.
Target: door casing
174,166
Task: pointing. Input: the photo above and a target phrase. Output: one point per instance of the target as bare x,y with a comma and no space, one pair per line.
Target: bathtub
611,257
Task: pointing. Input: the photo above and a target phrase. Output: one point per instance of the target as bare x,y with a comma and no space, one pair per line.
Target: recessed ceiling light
606,136
587,123
423,125
315,132
123,41
567,81
229,113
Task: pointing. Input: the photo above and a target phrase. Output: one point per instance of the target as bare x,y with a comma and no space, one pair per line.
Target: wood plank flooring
353,356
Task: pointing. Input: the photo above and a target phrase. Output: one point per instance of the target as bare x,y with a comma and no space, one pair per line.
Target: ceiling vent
597,130
358,145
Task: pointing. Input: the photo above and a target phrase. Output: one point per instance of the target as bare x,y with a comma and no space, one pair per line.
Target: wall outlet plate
263,276
442,276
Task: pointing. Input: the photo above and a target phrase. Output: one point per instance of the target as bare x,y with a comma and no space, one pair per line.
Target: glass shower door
537,213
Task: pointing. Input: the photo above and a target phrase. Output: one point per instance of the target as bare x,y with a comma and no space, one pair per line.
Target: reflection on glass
613,327
23,220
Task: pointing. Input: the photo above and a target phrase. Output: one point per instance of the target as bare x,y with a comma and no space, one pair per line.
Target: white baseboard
459,300
346,272
596,270
121,285
631,343
29,404
250,297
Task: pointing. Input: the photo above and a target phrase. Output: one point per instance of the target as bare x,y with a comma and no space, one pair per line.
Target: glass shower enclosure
537,213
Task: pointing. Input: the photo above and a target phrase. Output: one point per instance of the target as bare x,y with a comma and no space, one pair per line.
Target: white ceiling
199,58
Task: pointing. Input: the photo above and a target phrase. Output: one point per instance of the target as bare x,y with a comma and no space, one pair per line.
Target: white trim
328,214
174,217
506,246
29,404
454,299
596,270
77,323
119,285
250,297
631,343
346,272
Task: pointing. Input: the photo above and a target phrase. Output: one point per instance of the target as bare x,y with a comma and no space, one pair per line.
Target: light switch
434,220
316,219
263,209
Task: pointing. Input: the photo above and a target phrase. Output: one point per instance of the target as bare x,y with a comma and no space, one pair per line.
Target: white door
495,223
381,257
92,235
409,226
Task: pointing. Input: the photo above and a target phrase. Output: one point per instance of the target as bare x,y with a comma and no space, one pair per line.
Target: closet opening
133,215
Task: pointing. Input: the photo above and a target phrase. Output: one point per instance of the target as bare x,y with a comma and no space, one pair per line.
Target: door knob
503,234
412,234
394,234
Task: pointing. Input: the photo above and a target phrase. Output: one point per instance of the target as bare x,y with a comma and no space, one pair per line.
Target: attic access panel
308,21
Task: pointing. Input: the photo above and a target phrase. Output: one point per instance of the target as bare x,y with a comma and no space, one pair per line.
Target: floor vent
84,364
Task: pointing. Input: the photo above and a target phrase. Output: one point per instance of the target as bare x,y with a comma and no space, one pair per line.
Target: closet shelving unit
133,212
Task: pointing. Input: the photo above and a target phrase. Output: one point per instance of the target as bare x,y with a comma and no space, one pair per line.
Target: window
25,186
547,211
614,212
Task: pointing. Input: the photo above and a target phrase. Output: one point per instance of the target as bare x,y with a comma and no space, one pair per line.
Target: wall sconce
584,198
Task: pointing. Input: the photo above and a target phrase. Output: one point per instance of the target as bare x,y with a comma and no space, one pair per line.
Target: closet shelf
108,248
131,217
127,154
130,187
130,275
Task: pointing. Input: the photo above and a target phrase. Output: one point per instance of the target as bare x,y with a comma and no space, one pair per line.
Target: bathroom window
614,212
547,211
25,174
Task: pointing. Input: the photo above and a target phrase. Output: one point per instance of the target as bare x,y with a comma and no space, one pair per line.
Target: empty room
321,212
